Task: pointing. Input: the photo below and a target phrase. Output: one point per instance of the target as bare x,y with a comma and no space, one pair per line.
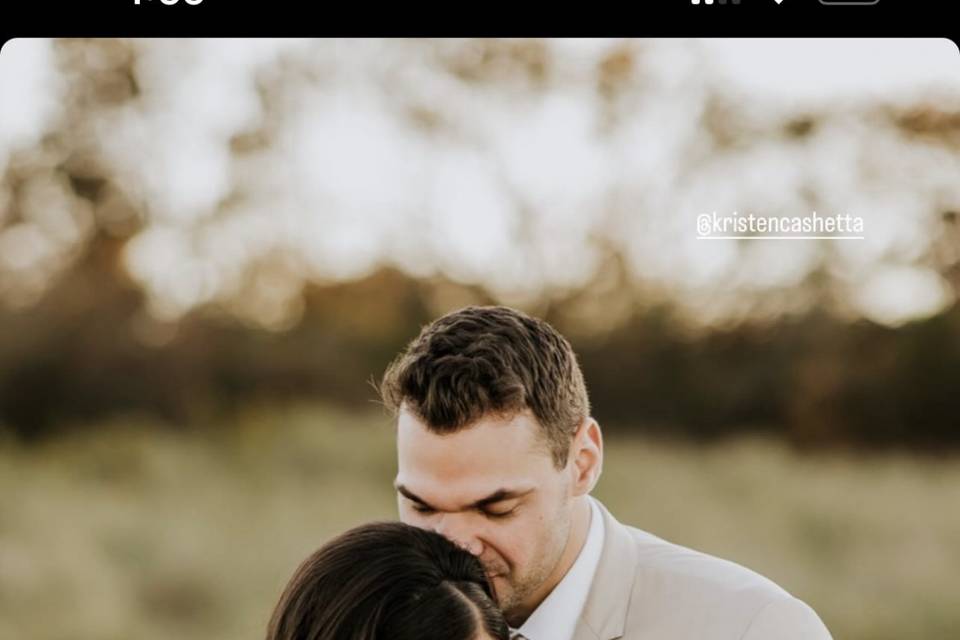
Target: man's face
493,489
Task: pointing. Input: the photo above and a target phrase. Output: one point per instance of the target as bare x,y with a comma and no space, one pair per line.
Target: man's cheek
411,517
506,556
403,512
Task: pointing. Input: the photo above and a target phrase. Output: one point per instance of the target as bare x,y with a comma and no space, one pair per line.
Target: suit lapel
605,612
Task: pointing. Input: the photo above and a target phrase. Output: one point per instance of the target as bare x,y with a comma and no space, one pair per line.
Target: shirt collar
556,617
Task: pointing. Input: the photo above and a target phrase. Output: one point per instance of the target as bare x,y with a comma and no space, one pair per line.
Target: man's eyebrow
497,496
406,493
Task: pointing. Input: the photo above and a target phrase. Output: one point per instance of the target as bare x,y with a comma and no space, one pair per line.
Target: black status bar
644,18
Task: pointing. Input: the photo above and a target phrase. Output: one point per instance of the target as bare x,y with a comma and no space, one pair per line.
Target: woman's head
388,580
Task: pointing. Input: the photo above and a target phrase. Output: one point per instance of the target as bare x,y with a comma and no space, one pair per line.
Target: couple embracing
499,537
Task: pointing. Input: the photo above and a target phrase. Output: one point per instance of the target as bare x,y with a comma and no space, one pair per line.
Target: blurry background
210,249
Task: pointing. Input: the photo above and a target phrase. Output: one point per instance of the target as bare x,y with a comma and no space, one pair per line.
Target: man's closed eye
496,515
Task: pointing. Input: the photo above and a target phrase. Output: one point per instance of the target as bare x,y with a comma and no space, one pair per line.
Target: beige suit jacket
646,588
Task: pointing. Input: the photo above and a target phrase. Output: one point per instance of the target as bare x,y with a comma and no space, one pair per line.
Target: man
497,451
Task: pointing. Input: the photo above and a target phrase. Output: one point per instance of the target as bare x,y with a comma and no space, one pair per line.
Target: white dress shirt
556,617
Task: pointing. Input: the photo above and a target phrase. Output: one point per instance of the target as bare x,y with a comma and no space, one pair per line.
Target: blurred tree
244,304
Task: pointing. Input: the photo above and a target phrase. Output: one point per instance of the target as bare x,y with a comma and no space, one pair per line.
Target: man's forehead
518,434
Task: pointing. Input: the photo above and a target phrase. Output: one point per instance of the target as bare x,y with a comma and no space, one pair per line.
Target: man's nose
456,528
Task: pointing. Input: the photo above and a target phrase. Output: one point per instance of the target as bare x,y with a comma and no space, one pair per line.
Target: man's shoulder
647,588
666,562
680,592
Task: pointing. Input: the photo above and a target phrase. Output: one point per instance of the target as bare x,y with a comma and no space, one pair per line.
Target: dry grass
137,532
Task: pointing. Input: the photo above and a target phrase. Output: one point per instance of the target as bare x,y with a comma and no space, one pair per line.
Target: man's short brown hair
490,360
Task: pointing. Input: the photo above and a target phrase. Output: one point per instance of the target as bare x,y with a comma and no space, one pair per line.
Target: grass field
139,532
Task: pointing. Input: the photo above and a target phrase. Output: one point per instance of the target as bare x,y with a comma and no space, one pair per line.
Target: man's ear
586,456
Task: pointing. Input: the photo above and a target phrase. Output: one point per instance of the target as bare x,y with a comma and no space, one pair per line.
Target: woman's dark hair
384,581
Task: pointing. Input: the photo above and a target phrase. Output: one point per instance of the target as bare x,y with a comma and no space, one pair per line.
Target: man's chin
503,593
500,587
497,583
